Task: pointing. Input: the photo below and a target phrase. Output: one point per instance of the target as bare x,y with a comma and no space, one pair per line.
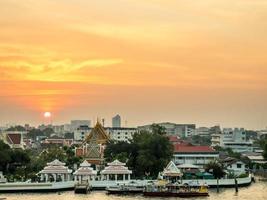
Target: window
238,165
119,137
119,133
126,133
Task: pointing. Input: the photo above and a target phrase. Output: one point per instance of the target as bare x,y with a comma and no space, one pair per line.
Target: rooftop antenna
103,122
126,123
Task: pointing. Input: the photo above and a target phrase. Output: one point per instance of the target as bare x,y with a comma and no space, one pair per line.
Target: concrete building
182,130
194,155
232,138
203,131
121,134
74,124
116,121
81,133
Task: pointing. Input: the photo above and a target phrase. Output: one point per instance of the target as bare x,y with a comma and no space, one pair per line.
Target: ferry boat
125,188
176,190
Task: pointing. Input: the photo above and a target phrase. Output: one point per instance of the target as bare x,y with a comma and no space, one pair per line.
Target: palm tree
215,168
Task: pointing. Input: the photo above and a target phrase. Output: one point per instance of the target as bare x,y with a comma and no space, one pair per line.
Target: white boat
131,187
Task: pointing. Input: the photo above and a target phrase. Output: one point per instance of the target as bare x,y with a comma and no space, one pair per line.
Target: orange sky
184,61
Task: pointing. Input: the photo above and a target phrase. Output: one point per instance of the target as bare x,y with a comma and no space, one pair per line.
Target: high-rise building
116,121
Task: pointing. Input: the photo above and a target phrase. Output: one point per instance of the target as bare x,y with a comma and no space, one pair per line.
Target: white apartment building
75,124
232,138
182,130
81,133
121,134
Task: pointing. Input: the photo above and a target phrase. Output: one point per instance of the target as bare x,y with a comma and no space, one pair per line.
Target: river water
257,191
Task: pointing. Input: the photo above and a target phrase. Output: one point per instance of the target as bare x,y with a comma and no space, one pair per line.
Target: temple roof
85,164
171,170
116,167
56,162
85,169
97,135
116,163
56,167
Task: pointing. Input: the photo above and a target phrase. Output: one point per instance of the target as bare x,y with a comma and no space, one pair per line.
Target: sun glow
47,114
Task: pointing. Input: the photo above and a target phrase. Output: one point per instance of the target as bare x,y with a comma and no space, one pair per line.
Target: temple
55,171
116,170
85,173
92,148
171,172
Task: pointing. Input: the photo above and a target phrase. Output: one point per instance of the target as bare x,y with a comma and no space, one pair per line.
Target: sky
183,61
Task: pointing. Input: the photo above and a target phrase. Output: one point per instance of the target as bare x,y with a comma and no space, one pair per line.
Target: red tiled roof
177,140
14,138
183,148
173,138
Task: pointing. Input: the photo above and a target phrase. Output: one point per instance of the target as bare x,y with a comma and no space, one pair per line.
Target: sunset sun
47,114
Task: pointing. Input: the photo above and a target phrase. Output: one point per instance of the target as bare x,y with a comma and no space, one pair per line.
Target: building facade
232,138
194,155
74,124
116,121
182,130
121,134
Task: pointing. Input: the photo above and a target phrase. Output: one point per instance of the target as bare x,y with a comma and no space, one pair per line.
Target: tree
16,128
201,140
69,135
35,133
157,129
146,153
215,168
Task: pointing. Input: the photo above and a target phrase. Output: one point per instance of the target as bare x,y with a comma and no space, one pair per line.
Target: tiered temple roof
98,135
93,146
85,169
171,170
56,167
116,167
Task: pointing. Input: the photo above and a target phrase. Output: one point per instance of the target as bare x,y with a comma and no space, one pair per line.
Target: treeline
18,164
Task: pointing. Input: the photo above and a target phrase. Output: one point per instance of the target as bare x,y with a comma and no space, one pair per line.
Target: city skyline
199,62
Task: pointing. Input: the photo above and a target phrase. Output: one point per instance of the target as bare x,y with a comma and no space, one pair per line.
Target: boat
125,188
176,190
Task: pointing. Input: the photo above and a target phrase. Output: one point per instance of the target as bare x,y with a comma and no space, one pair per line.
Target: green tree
215,168
147,153
157,129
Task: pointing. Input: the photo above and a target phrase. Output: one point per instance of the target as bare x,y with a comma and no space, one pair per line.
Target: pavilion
116,170
55,171
85,172
171,172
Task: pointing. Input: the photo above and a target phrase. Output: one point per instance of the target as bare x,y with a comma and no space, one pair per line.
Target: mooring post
236,186
218,185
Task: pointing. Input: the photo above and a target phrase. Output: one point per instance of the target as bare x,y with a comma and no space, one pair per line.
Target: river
257,191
